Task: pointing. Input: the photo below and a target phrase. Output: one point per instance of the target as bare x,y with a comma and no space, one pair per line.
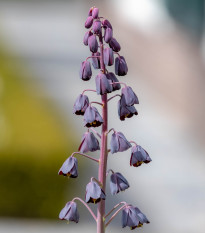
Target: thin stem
119,83
111,130
117,54
113,97
97,181
96,132
91,212
110,170
92,57
87,156
133,142
94,102
123,202
88,90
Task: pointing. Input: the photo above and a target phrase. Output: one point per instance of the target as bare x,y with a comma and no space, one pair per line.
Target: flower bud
90,11
139,156
93,43
113,79
125,111
103,85
81,104
114,45
108,57
96,60
69,167
97,27
69,212
119,143
108,35
92,117
89,143
94,193
118,183
106,24
95,13
121,68
86,36
89,22
129,96
85,71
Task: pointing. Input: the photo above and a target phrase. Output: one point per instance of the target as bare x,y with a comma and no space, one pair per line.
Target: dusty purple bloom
96,60
80,105
129,96
103,85
139,156
69,167
69,212
90,11
89,22
114,45
95,13
121,68
85,71
119,143
118,183
133,217
108,35
97,27
86,36
89,143
113,79
125,111
92,117
94,193
93,43
108,57
106,24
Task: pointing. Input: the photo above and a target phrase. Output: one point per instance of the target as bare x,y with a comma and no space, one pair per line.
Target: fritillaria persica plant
104,47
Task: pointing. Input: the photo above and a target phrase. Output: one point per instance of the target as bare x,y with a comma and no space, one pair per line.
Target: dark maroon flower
94,193
69,167
114,45
139,156
92,117
89,143
108,35
106,24
113,79
95,13
89,22
85,71
121,68
96,60
125,111
70,212
86,36
108,56
81,103
103,85
97,27
93,43
129,96
119,143
118,183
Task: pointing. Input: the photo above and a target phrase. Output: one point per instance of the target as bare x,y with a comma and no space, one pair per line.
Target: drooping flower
108,56
89,143
81,104
94,193
113,79
86,36
121,68
114,45
129,96
85,71
106,24
118,183
96,60
108,35
92,117
103,85
93,43
125,111
89,22
119,143
97,27
69,167
70,212
95,13
139,156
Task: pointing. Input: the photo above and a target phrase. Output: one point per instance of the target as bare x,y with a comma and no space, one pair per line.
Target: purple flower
89,143
81,104
139,156
93,43
133,217
85,71
90,11
125,111
103,85
106,24
121,68
113,79
69,167
86,36
129,96
108,35
97,27
119,143
89,22
96,60
92,117
108,57
95,13
118,183
69,212
94,193
114,45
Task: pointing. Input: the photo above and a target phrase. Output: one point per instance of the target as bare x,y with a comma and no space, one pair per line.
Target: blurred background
40,52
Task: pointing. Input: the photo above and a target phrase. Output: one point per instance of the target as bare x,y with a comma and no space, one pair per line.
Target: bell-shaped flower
108,35
114,45
121,68
69,167
108,56
96,60
94,193
93,43
89,22
92,117
81,104
139,156
86,36
85,71
125,111
97,27
106,24
129,96
70,212
103,85
119,143
118,183
115,85
89,143
133,217
95,13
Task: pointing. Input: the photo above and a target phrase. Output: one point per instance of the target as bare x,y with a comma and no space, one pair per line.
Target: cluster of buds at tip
104,50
